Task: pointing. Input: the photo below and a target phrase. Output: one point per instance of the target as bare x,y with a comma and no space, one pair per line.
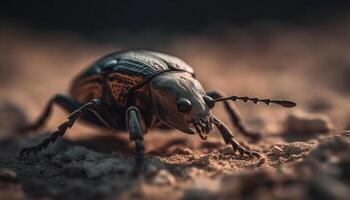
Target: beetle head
178,100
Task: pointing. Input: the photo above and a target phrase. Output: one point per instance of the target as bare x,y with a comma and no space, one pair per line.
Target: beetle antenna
284,103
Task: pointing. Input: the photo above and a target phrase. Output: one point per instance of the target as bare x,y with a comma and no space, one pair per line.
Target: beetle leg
235,118
136,129
63,127
68,104
228,138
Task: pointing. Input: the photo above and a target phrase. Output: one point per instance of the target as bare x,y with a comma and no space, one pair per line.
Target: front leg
136,129
235,118
228,138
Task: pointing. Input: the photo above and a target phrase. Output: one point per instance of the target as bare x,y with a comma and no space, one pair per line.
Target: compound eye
184,105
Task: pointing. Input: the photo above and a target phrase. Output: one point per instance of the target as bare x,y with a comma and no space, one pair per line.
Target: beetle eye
183,105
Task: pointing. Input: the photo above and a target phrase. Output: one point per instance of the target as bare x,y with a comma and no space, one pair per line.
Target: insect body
137,90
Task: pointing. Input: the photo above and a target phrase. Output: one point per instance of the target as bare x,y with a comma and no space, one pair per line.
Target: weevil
136,90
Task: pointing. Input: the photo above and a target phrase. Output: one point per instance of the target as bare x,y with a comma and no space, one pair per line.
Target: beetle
135,90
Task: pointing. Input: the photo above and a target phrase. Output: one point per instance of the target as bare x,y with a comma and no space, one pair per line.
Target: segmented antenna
284,103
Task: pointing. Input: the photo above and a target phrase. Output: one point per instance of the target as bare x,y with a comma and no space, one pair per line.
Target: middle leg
136,129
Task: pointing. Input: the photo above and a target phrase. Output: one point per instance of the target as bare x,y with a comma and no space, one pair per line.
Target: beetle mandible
136,90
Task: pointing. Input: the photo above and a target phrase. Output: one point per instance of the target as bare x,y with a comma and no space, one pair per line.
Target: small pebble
7,175
203,161
183,151
153,165
277,150
306,123
76,153
163,177
227,151
261,161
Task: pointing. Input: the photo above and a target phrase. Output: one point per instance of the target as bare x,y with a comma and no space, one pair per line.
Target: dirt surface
306,149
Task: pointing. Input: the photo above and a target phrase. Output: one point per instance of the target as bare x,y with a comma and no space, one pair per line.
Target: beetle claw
252,154
28,150
204,137
243,151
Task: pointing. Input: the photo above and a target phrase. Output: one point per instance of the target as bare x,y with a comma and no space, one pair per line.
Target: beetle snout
203,126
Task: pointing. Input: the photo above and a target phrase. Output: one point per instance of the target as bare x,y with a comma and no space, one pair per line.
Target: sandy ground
306,149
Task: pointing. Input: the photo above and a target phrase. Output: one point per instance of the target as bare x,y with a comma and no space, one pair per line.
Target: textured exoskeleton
140,89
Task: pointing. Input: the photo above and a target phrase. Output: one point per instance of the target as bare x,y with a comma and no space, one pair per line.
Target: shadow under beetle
140,89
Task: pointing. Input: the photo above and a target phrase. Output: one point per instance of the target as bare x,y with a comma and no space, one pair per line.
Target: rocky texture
323,174
316,170
305,123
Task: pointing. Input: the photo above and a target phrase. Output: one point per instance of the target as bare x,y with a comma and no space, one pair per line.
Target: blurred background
280,49
297,50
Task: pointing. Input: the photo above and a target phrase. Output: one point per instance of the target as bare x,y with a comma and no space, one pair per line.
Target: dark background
93,17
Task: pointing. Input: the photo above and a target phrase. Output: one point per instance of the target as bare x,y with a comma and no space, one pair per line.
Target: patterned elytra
123,72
